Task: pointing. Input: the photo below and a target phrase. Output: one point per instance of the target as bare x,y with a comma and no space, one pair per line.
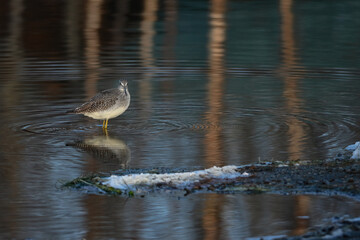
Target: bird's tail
70,111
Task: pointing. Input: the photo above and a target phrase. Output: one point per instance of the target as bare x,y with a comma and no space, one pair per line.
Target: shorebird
107,104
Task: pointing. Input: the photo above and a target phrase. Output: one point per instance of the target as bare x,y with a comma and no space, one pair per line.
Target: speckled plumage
106,104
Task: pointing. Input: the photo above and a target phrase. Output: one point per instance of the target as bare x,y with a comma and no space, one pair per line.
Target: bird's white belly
106,114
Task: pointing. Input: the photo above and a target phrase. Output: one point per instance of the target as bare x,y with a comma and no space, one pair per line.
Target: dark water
212,83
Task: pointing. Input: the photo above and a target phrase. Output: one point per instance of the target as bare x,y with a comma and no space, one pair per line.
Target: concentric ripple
275,129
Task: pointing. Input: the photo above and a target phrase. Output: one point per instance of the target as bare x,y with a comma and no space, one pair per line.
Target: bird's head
123,87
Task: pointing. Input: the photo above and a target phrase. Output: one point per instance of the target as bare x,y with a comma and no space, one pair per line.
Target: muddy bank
337,176
334,229
330,177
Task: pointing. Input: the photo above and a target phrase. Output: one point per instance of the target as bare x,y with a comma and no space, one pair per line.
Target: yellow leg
106,123
105,132
103,123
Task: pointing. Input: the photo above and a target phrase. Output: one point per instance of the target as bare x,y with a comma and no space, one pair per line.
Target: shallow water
212,83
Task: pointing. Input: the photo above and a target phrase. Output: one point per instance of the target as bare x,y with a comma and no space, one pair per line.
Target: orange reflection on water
212,218
293,104
146,55
302,208
170,35
148,32
92,49
213,142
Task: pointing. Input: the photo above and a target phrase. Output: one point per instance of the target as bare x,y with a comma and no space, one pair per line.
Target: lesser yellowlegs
106,104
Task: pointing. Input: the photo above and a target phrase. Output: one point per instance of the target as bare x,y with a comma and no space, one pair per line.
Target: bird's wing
100,101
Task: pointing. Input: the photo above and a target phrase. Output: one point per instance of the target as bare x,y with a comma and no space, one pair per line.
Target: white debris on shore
352,147
178,180
356,150
356,153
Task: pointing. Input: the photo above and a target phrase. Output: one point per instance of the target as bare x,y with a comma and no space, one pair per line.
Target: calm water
212,83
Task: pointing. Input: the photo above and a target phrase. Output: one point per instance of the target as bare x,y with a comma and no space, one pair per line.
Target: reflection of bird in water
107,104
106,149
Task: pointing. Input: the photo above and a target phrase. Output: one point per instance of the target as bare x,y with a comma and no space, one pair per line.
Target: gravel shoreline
332,177
334,229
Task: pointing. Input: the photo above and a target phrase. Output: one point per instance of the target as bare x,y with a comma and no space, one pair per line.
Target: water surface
212,83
